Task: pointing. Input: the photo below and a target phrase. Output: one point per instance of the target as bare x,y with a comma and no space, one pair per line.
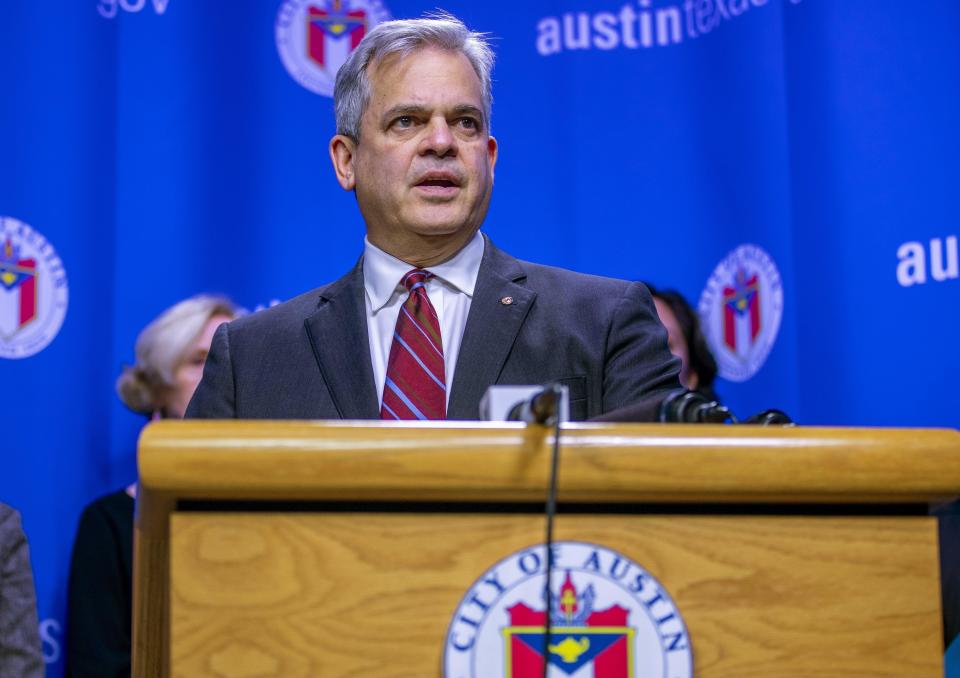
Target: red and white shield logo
315,37
33,290
18,289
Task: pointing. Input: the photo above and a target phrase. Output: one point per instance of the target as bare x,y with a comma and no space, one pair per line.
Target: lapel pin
506,301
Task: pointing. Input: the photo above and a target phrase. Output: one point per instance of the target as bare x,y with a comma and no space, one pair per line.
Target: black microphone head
691,407
713,412
771,417
545,406
542,407
516,412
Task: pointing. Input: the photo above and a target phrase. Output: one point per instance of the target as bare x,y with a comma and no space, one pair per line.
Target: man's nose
438,139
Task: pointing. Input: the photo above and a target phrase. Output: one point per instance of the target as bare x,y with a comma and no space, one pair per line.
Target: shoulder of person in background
99,597
20,653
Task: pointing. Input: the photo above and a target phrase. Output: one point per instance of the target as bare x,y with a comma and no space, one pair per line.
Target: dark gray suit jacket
19,633
309,358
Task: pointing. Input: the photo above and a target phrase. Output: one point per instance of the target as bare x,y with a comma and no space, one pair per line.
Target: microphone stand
545,410
551,510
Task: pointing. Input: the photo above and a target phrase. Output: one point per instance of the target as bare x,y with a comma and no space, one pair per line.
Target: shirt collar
382,272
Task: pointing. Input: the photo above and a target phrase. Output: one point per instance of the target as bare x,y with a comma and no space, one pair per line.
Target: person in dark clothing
100,590
948,519
686,341
170,354
19,636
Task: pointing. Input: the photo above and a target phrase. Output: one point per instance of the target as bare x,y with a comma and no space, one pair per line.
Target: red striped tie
415,387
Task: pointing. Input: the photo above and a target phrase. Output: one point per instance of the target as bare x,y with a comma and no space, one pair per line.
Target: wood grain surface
301,594
316,594
459,461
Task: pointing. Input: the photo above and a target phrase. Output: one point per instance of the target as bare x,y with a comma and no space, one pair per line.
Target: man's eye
403,121
469,123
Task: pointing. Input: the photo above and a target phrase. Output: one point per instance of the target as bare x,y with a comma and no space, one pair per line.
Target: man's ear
342,150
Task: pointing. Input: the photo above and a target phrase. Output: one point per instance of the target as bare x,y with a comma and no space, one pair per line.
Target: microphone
770,417
532,404
542,407
690,407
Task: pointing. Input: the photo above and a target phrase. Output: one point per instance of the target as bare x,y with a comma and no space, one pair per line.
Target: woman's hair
701,360
162,346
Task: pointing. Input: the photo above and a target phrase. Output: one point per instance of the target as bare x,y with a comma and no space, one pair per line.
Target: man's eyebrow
402,109
415,109
463,109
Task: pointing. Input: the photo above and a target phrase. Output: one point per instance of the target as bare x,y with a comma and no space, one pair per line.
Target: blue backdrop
789,166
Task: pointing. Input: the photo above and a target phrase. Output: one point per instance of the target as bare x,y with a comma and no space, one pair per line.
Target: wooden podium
343,548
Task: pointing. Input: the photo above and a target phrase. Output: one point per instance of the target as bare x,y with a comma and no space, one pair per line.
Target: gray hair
162,346
352,91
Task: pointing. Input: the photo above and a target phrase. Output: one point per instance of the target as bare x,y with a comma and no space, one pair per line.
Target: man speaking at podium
433,314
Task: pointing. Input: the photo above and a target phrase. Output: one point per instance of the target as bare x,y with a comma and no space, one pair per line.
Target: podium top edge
450,461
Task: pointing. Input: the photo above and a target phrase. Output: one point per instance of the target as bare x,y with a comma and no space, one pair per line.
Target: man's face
423,168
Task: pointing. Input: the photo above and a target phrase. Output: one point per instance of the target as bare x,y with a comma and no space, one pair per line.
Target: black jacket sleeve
100,600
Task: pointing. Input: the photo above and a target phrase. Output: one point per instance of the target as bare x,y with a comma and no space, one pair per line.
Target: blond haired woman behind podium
170,353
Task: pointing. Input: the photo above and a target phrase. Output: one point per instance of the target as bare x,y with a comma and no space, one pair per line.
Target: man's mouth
442,178
442,183
438,184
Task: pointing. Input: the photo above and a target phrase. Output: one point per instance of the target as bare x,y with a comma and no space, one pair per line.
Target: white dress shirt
450,292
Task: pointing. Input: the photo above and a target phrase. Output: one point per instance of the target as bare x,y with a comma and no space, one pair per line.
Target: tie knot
416,278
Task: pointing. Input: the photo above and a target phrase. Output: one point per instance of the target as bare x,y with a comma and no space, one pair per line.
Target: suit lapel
338,334
492,327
